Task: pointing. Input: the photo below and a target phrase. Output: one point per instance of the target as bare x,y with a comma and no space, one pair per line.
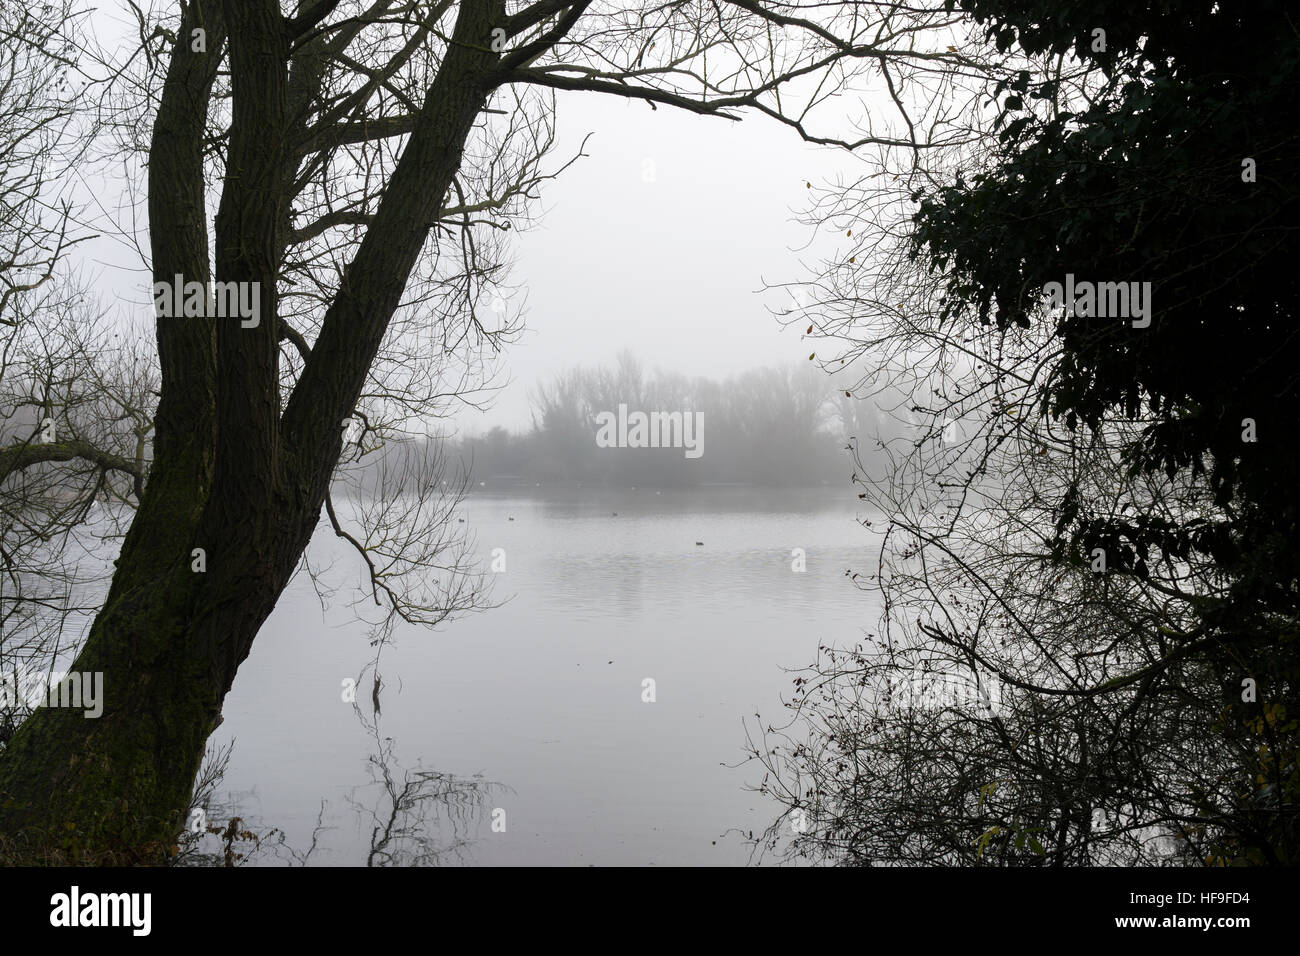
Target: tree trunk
231,475
121,782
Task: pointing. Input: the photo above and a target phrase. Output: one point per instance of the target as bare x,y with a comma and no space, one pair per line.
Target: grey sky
657,242
671,268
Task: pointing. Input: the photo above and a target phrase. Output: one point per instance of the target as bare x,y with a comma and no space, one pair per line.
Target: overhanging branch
18,457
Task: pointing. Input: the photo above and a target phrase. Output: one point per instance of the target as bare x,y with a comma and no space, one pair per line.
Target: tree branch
19,457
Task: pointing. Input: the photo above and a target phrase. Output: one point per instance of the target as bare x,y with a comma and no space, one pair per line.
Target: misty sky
670,268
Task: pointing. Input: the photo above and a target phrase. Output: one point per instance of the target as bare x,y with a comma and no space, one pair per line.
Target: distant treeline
772,426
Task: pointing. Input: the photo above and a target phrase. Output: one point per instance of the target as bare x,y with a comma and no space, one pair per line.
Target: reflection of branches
417,817
218,831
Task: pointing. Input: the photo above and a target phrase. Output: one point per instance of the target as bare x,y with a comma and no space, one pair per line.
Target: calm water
532,712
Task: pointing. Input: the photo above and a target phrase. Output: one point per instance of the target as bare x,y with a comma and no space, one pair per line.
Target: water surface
534,709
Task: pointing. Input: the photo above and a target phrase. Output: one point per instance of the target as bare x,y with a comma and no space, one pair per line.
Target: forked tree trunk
231,474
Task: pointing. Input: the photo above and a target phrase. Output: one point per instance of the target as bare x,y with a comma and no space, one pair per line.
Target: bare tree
1019,703
75,401
363,159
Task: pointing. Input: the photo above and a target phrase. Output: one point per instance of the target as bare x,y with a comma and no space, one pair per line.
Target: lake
520,734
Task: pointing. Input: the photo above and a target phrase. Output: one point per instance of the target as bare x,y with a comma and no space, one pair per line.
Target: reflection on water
416,817
535,713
